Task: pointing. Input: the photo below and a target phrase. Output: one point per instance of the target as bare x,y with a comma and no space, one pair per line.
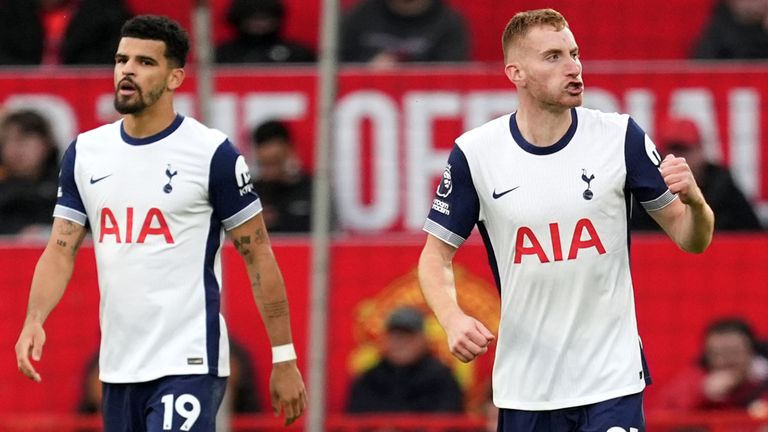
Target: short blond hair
522,22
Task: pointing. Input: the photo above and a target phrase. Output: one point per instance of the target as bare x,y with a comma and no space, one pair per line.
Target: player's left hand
679,179
287,390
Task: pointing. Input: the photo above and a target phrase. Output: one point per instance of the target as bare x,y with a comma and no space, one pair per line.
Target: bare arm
467,337
252,242
688,221
52,274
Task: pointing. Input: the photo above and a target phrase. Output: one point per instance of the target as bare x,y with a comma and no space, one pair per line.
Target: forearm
49,282
271,298
436,279
54,269
252,242
693,231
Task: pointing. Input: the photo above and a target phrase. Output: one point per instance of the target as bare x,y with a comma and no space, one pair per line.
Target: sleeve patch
243,176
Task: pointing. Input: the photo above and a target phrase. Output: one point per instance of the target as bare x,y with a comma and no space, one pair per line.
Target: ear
176,78
515,74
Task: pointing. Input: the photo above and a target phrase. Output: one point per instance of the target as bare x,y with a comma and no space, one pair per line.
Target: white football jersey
157,209
555,222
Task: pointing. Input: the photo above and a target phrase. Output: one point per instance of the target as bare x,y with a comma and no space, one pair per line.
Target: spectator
69,32
258,24
386,32
285,190
408,378
731,374
29,161
732,210
737,29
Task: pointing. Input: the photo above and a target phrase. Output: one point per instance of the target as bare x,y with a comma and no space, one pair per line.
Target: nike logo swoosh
93,180
499,195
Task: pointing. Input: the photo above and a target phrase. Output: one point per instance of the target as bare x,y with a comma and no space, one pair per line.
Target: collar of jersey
530,148
150,139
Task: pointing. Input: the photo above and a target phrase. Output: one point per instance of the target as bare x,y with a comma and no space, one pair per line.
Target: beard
555,99
136,103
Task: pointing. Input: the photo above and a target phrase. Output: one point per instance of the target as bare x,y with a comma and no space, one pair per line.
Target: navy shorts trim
622,414
173,403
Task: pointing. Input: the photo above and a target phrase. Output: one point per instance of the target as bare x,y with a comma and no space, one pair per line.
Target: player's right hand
468,338
30,344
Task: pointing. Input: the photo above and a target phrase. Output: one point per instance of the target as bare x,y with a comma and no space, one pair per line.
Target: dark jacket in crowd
263,46
726,38
426,386
732,210
437,35
91,37
263,49
290,201
25,202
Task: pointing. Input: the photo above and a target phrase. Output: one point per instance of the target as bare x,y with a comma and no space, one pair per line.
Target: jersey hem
568,403
145,377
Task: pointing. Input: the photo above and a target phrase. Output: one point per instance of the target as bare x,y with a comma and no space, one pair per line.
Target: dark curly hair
155,27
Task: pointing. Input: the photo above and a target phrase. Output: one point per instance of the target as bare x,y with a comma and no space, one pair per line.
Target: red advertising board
677,294
393,130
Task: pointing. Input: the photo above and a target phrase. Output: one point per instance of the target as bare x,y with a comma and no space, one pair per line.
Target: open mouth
126,87
575,87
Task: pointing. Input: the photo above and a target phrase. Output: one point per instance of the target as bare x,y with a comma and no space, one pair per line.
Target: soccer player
549,188
159,190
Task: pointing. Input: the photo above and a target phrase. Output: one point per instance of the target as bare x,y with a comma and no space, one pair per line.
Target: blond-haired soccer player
160,190
549,188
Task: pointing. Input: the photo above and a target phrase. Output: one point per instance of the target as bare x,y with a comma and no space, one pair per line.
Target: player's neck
543,128
148,122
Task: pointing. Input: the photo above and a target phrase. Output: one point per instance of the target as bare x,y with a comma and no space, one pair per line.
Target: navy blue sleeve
230,190
69,204
644,179
456,207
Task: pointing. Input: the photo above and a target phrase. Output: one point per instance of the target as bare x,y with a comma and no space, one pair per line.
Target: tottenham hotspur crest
170,174
588,180
446,186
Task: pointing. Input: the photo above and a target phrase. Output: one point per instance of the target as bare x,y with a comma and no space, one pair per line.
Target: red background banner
677,295
393,129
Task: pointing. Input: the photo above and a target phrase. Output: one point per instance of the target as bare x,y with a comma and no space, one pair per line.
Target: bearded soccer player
159,191
549,188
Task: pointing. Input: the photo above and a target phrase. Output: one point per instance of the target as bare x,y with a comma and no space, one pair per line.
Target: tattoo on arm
276,309
242,245
67,228
70,235
256,283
